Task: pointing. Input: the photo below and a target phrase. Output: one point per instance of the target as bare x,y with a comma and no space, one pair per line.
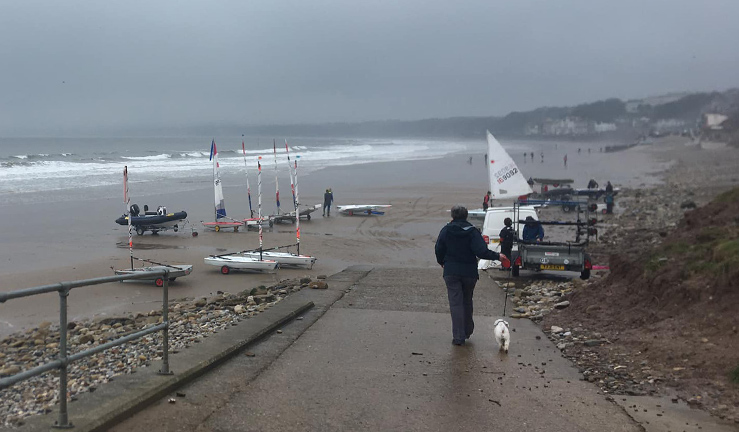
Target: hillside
668,309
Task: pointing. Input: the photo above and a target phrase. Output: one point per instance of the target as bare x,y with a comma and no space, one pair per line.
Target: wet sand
49,242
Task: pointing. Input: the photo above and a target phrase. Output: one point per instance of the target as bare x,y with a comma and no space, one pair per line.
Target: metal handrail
63,359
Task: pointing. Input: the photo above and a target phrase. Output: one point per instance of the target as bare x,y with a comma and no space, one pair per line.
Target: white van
493,224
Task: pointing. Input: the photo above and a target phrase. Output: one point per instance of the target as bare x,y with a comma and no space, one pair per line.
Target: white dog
502,334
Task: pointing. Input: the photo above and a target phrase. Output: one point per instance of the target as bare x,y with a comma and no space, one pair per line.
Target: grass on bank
734,375
715,251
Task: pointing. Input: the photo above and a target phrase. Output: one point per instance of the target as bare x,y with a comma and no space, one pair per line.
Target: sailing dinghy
175,271
362,209
505,179
286,259
221,221
237,260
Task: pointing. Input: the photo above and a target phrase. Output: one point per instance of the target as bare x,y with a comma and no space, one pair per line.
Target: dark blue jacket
458,247
532,231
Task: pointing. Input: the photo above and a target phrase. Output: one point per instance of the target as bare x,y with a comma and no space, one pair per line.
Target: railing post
165,331
63,421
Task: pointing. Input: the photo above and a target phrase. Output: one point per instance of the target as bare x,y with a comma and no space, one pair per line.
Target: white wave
144,158
67,174
20,156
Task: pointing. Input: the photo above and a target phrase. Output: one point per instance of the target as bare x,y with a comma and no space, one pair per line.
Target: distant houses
568,126
674,113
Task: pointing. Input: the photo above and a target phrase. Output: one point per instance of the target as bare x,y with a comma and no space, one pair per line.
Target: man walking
328,198
457,249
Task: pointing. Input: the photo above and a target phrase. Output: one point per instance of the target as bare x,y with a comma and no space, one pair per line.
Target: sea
43,170
49,169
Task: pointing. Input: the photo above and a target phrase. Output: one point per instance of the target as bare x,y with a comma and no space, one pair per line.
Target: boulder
318,285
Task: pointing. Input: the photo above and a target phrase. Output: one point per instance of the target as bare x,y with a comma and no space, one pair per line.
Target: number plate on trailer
552,267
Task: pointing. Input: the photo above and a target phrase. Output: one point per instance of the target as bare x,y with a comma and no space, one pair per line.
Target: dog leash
505,302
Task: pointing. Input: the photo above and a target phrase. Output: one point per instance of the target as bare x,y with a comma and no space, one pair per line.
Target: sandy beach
50,241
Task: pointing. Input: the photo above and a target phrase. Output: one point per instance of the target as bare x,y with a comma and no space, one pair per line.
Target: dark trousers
508,252
460,290
327,209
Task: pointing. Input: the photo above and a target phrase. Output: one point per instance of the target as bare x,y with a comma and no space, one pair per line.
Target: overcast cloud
86,65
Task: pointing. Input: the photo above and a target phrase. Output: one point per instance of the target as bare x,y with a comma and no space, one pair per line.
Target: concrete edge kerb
132,404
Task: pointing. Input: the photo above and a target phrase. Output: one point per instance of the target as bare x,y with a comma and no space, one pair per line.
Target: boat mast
127,202
248,189
277,186
297,205
259,205
292,180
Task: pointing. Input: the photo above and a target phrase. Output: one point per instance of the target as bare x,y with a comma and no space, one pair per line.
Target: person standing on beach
609,203
542,157
486,201
328,198
565,160
532,156
457,248
609,187
507,236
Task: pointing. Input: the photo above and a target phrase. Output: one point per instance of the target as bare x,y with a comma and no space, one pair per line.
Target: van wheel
585,274
515,271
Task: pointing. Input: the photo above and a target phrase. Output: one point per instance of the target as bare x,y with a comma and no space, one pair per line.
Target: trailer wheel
307,217
176,228
194,233
236,229
139,231
566,208
515,271
225,270
585,274
159,282
217,228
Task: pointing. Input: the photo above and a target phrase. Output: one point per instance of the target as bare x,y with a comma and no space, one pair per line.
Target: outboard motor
134,210
161,211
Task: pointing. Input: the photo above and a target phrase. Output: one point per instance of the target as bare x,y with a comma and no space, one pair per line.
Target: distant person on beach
328,198
532,156
457,248
588,150
532,231
542,157
592,184
507,236
486,201
609,203
609,187
565,160
579,150
470,161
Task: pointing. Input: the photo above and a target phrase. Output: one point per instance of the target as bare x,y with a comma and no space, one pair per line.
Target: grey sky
79,65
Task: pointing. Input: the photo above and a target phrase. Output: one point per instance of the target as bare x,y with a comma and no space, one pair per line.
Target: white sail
506,180
220,208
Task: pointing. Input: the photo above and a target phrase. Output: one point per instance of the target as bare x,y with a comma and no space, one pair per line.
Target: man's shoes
457,342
